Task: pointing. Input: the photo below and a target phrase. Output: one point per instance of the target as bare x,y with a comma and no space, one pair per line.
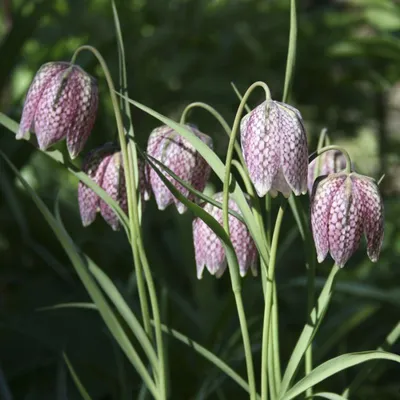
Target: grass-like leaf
333,366
94,292
81,389
112,292
308,332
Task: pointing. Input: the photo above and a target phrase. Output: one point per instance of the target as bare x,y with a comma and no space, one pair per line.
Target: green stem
310,302
136,245
219,118
309,331
291,57
275,338
268,304
234,273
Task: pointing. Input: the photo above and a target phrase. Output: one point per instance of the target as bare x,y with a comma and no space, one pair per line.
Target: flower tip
181,208
320,258
261,188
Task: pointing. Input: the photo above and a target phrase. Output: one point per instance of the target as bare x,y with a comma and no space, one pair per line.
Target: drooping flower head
104,166
209,251
274,145
329,162
343,206
175,152
61,103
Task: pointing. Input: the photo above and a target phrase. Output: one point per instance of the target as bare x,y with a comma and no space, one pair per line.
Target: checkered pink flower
209,251
175,152
61,103
343,206
274,145
329,162
104,166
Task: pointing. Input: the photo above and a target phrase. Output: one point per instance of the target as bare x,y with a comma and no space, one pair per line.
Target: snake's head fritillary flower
61,104
274,145
176,153
327,163
104,166
343,206
209,251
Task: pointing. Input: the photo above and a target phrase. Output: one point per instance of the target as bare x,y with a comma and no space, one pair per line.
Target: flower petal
321,203
260,145
294,151
40,82
57,108
94,166
345,223
372,213
113,184
85,115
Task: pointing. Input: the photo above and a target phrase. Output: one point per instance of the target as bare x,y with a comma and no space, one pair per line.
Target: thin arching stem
235,279
137,249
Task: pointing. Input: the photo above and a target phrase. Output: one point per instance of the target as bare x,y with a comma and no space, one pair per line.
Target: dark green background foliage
179,51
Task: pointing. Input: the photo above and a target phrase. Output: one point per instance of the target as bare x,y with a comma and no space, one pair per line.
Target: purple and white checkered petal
209,251
372,213
57,108
85,115
345,223
321,203
42,79
294,150
94,166
279,184
112,185
330,162
202,170
261,145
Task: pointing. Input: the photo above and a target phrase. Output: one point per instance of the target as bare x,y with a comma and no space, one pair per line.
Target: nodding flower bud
329,162
209,251
104,166
274,145
176,153
61,103
343,206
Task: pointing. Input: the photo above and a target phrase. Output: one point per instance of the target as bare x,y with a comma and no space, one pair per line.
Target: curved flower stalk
274,145
330,162
104,166
343,206
209,251
175,152
61,103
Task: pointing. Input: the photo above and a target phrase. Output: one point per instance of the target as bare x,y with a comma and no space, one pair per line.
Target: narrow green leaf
94,292
112,292
202,351
81,389
328,396
218,167
308,332
335,365
214,225
210,356
390,340
190,188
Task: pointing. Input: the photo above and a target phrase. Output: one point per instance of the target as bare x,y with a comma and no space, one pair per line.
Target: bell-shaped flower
176,153
104,166
274,146
343,206
209,251
61,103
327,163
